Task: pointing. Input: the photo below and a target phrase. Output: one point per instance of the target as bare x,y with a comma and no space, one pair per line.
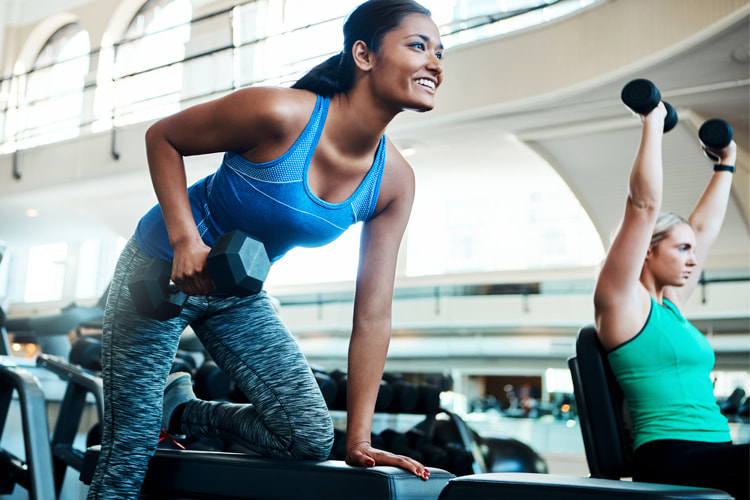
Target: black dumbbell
238,265
405,398
417,438
405,395
642,96
338,451
184,362
435,456
339,401
154,294
394,439
382,403
460,460
385,397
398,443
428,400
211,383
715,134
328,387
87,353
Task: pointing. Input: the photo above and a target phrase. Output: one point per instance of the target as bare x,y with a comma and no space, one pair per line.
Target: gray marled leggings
287,417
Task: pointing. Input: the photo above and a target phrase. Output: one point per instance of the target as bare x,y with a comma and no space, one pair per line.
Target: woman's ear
650,251
362,55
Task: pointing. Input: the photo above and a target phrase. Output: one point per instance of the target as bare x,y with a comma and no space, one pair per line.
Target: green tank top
665,374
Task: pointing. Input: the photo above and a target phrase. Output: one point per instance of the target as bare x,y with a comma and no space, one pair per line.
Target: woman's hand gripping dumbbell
642,96
238,265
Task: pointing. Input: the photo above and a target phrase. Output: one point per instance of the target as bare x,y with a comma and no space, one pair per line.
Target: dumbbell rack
423,400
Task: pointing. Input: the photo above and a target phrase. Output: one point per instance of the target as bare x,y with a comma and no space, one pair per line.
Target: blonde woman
661,361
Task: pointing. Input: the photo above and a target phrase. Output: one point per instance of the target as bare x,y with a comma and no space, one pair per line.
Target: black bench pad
177,474
527,486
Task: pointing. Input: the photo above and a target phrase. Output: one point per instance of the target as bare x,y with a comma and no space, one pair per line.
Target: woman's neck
355,123
654,289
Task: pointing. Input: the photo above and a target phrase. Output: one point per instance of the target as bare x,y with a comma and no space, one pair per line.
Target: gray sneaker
179,390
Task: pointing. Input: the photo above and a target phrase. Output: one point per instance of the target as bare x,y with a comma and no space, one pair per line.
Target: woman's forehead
681,231
419,24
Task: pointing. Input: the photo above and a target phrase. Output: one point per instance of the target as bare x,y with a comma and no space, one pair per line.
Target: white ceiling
588,137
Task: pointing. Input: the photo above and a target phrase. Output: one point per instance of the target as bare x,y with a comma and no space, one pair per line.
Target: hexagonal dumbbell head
238,264
152,293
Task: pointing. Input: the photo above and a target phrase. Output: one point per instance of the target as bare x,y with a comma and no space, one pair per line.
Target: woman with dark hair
661,361
300,166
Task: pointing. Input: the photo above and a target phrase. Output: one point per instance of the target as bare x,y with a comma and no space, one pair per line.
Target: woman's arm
244,121
706,220
621,303
371,332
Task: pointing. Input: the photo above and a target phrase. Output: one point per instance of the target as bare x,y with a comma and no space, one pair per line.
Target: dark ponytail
334,75
368,22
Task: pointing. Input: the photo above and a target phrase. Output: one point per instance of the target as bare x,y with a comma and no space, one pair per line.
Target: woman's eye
418,45
439,55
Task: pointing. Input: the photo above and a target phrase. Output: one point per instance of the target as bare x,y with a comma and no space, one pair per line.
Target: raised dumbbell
642,96
238,265
715,135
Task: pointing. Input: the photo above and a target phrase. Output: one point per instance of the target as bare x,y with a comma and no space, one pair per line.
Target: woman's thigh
713,465
249,342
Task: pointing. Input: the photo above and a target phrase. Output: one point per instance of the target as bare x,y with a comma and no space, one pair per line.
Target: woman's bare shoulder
275,107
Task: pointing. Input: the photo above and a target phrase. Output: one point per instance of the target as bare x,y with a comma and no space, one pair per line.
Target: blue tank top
271,201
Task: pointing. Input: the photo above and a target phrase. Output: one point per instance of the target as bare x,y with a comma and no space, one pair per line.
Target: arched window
54,89
148,69
277,42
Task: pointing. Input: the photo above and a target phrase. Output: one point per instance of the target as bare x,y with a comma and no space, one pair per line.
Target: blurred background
521,180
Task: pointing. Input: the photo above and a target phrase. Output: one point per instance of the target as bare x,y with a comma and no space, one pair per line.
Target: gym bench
527,486
193,475
188,475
